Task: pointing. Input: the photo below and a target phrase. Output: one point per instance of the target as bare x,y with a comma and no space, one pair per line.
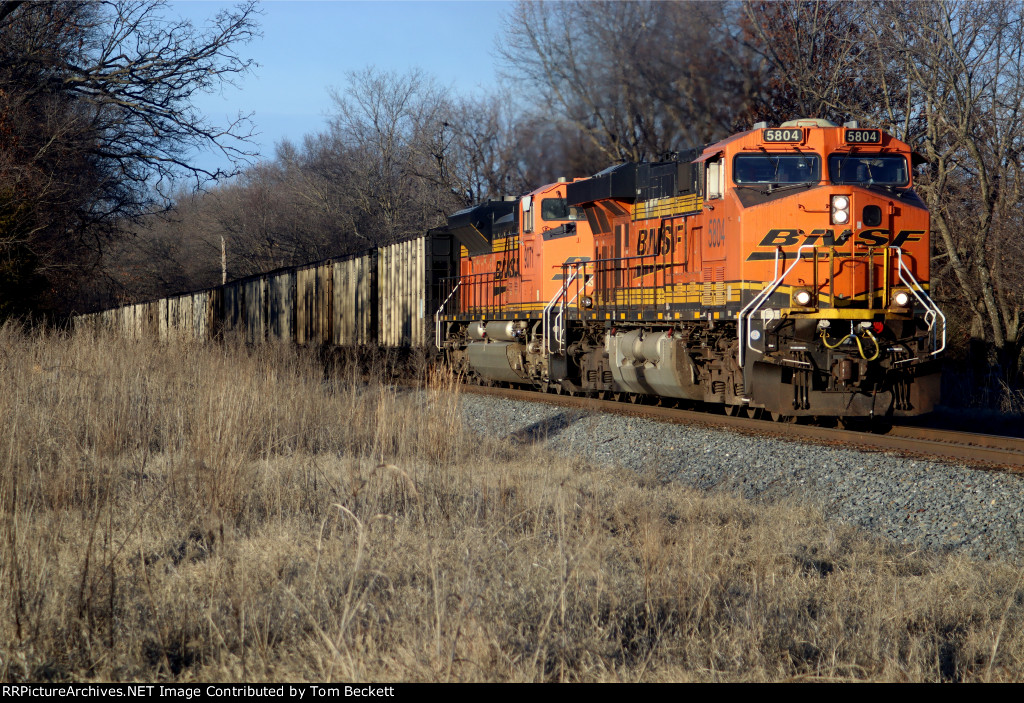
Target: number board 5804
862,136
783,135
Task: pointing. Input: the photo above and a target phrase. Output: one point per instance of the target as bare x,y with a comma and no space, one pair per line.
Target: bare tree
963,106
811,58
392,135
98,123
636,79
482,155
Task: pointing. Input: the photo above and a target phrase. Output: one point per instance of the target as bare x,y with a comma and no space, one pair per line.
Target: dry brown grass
220,513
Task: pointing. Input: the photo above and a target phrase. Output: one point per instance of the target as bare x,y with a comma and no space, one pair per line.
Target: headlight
901,298
803,297
840,209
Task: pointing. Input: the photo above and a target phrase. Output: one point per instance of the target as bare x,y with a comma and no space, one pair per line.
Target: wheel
634,398
752,413
732,410
779,417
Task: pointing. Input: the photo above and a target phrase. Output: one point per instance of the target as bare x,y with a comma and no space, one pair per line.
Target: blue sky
308,47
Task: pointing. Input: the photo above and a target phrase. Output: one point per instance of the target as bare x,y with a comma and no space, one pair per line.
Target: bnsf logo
828,238
506,268
655,241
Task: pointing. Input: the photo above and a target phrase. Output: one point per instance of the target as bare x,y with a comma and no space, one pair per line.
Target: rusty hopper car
409,276
380,297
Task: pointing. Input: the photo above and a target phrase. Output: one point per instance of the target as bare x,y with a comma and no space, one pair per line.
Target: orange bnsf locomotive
783,270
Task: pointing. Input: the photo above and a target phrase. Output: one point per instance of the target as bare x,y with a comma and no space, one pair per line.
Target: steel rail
975,450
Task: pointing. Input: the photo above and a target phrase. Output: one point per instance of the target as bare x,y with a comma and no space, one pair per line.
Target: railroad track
992,452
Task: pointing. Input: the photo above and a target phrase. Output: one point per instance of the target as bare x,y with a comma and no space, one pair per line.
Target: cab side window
715,178
553,209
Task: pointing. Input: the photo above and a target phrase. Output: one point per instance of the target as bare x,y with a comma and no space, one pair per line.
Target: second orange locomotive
782,270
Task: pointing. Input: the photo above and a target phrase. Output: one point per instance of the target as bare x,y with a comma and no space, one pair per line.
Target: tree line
95,132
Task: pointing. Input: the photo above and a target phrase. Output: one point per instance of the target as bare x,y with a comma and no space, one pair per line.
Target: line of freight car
380,297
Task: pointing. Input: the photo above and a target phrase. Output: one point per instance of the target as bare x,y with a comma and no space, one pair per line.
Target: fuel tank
653,363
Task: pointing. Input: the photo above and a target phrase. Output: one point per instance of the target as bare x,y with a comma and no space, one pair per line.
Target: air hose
860,346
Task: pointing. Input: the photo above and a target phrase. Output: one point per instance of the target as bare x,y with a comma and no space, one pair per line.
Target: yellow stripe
500,246
667,207
713,294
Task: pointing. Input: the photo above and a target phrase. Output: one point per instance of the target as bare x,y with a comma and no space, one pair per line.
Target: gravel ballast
930,504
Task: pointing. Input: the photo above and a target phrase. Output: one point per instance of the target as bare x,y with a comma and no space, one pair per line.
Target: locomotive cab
500,322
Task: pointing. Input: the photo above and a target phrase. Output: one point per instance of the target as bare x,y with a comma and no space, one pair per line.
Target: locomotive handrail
437,316
546,315
560,317
755,304
932,312
605,268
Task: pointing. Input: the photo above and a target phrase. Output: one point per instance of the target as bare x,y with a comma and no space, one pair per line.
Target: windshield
868,169
767,168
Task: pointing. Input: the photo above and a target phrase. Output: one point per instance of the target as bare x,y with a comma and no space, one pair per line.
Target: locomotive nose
850,241
849,262
878,221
